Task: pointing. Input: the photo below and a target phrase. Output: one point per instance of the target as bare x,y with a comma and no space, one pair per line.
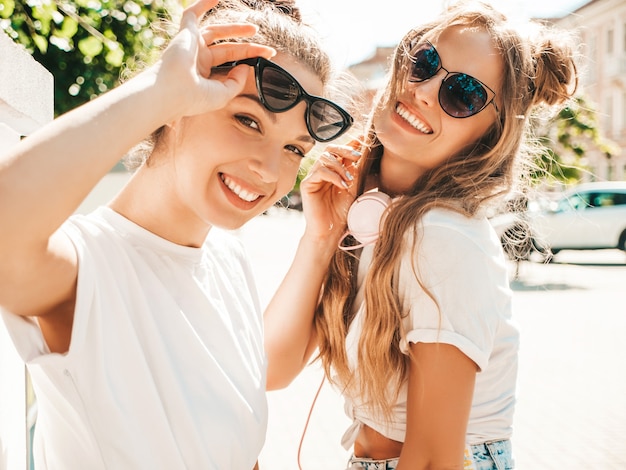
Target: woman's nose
426,93
266,164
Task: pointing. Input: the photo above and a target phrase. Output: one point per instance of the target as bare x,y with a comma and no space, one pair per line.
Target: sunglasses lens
326,121
426,63
462,95
279,90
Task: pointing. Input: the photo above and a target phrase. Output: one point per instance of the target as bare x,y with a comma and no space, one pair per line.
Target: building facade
601,28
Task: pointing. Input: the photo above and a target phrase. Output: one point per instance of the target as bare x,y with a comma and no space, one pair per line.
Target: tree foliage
568,138
86,44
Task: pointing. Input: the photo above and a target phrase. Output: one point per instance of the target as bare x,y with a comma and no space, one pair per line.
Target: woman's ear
165,142
172,126
173,131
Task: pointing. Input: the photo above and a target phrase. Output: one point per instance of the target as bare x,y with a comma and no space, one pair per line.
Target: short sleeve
25,332
25,335
453,285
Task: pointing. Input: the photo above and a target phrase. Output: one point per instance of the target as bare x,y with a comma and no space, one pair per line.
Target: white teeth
242,193
412,119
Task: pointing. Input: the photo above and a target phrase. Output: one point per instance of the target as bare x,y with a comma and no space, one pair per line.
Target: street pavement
571,410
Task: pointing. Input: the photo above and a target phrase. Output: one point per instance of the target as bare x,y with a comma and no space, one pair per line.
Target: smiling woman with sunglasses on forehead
140,325
407,298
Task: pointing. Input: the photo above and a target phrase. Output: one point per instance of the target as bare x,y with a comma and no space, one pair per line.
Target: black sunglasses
460,95
279,91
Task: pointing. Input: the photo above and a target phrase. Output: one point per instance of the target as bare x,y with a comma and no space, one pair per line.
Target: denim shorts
496,455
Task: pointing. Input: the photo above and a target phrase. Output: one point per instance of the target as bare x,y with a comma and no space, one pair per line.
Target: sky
353,28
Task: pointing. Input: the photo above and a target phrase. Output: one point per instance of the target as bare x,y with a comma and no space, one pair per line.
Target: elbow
281,372
279,378
276,383
284,364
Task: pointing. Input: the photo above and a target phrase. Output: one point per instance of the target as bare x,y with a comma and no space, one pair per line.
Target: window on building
592,57
609,41
623,123
607,116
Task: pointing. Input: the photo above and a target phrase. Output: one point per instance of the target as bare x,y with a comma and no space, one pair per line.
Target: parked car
586,217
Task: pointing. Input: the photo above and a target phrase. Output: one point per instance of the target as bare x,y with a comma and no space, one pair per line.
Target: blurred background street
571,411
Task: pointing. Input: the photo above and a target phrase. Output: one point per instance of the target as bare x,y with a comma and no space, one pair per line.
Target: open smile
412,119
236,189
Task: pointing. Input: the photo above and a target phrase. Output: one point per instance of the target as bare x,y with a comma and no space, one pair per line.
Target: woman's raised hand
328,190
184,70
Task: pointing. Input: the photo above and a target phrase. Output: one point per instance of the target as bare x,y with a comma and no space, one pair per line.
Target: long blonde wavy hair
539,69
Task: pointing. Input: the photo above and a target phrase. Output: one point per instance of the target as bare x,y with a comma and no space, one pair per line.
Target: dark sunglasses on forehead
460,95
279,91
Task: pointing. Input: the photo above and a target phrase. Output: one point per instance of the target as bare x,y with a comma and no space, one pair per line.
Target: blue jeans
496,455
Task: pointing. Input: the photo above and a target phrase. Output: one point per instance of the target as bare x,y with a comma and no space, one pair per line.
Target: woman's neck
396,176
158,211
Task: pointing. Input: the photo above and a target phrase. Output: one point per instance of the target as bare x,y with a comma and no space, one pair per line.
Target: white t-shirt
460,261
166,367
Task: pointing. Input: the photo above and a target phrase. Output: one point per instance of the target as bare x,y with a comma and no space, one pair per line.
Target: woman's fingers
193,13
210,33
221,53
329,189
336,170
211,55
236,80
215,32
343,159
196,10
230,51
336,166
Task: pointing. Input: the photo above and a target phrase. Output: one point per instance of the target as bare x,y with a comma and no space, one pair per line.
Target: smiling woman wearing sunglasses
414,324
140,325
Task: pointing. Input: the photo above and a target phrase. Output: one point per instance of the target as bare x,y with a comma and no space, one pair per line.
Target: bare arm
44,178
440,391
289,330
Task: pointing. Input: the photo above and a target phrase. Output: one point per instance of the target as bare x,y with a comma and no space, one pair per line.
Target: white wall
26,103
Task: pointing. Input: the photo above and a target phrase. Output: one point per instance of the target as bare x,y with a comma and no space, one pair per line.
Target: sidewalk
571,411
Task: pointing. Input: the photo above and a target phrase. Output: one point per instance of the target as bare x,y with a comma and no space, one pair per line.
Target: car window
601,199
607,199
620,199
575,202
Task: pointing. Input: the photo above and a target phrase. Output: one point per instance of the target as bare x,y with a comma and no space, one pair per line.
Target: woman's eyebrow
306,138
256,99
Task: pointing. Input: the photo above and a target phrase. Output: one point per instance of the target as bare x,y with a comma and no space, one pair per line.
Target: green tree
568,138
86,44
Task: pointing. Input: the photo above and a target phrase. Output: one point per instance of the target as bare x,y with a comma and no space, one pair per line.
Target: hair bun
288,7
556,77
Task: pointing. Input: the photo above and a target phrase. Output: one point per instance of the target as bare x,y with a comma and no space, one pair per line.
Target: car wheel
547,254
622,241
